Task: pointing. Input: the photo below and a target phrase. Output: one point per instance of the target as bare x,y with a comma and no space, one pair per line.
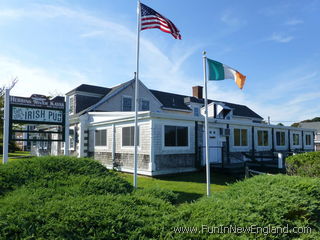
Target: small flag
152,19
219,71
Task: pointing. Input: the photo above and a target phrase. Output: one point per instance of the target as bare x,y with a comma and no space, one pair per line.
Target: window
308,139
144,105
71,105
240,137
176,136
71,138
280,138
196,112
128,136
296,139
100,138
263,138
126,104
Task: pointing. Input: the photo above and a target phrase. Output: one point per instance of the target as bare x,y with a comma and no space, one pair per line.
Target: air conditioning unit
225,132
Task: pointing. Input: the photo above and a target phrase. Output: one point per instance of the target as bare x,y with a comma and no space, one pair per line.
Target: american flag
152,19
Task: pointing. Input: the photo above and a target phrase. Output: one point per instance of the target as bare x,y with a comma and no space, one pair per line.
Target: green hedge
44,169
305,164
70,198
261,201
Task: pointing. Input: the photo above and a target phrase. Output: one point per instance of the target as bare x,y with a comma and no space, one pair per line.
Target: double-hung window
100,138
263,138
126,104
240,137
128,136
280,138
176,136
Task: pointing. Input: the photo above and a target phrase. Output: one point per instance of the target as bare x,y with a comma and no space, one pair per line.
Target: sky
54,46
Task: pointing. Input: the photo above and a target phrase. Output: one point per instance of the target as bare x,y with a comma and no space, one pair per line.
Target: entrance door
214,146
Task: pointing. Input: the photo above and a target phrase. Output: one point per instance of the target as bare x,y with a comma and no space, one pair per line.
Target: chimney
197,92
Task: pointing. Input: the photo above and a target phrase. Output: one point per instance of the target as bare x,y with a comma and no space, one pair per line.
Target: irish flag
219,71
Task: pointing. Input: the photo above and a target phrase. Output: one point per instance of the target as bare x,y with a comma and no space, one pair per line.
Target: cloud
293,22
34,79
281,38
229,18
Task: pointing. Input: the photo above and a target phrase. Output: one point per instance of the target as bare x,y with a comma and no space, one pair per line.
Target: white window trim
164,147
257,140
132,103
74,138
140,104
73,105
292,138
139,137
305,139
285,139
232,138
94,139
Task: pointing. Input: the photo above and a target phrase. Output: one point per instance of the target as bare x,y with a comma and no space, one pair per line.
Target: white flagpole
206,123
136,99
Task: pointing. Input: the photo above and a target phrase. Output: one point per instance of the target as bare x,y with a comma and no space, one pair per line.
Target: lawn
17,155
189,186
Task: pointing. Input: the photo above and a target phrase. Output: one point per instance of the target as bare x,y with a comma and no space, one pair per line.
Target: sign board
37,101
25,114
37,109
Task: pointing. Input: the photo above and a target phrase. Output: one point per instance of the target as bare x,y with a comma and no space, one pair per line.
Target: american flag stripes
152,19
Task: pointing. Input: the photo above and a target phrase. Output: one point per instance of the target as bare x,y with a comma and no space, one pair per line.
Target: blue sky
54,46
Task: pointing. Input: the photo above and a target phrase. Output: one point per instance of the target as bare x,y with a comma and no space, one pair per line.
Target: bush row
69,198
305,164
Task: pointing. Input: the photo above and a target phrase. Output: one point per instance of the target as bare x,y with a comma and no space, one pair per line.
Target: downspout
113,153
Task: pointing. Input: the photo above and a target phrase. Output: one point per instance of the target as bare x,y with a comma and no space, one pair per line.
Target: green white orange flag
219,71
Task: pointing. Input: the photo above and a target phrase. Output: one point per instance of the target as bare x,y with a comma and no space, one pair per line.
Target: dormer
85,96
218,110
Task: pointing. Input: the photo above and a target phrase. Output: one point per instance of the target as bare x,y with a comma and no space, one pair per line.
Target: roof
90,89
312,125
176,101
168,100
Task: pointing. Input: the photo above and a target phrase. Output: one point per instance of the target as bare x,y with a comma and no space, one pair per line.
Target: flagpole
206,122
136,105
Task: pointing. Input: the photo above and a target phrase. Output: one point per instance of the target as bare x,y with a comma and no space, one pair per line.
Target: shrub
261,201
157,192
24,171
85,217
305,164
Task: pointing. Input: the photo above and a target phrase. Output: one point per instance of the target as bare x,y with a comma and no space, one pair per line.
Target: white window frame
140,105
305,138
285,138
71,106
174,147
122,102
130,147
94,137
257,138
74,138
233,137
299,138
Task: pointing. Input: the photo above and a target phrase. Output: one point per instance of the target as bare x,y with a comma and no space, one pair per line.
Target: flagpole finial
204,53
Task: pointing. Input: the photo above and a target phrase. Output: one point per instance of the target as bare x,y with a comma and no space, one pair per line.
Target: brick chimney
197,92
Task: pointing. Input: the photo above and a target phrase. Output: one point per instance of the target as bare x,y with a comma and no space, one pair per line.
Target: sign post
6,120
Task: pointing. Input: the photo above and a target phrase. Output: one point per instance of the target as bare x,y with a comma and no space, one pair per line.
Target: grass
17,155
189,186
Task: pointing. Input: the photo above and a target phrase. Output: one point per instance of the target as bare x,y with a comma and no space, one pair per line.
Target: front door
214,146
